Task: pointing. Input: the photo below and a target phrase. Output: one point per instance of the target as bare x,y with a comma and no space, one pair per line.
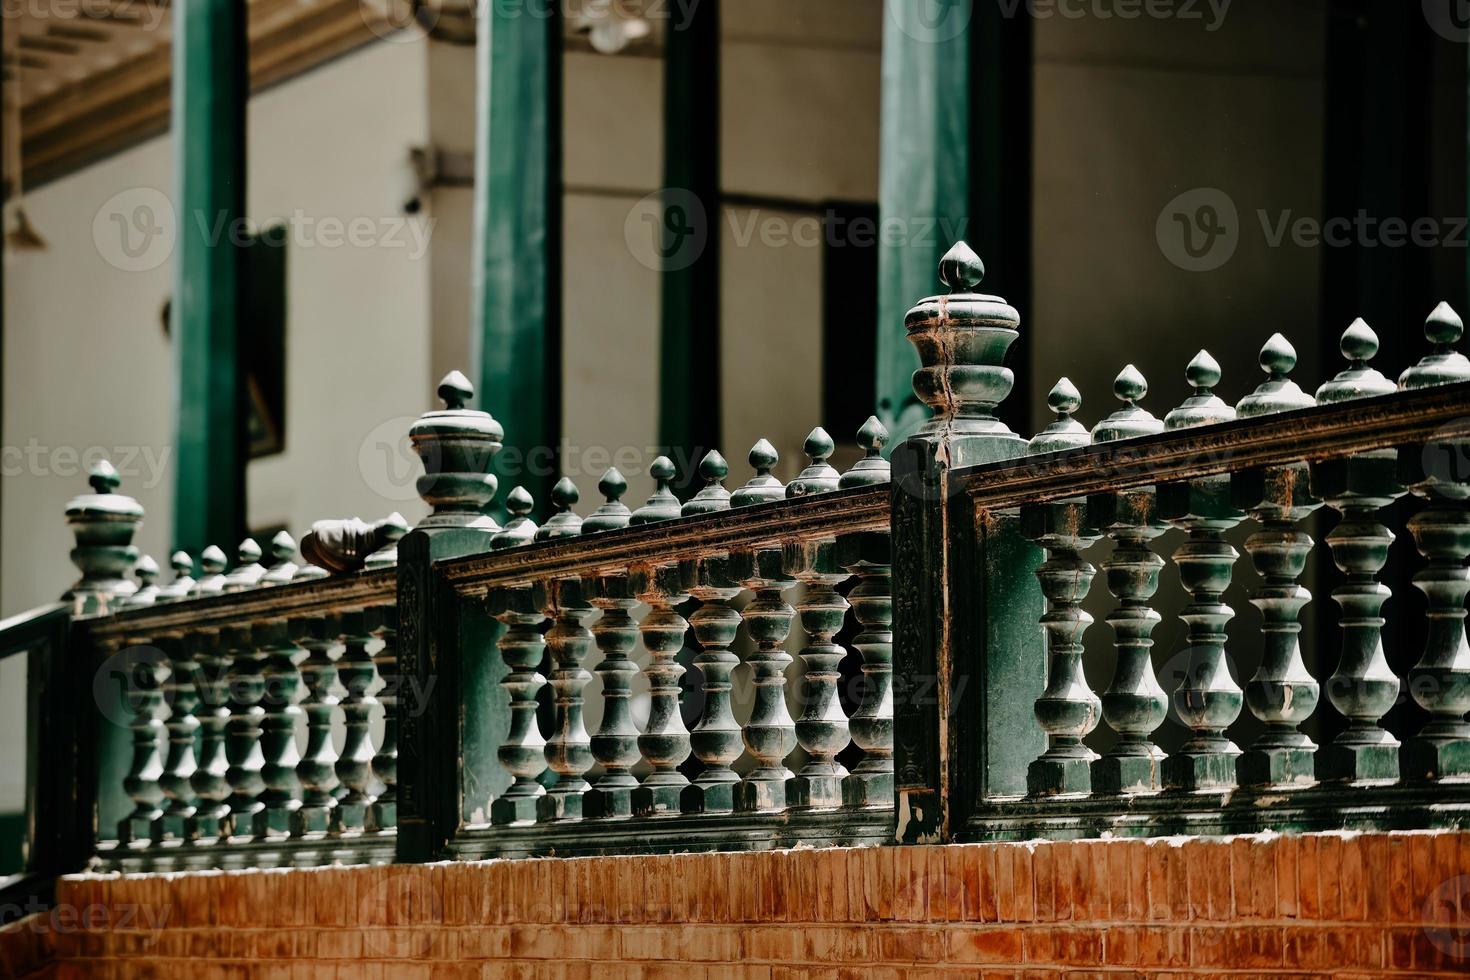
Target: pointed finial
1131,421
283,566
763,486
564,522
1358,345
1277,393
819,476
248,569
212,566
455,391
1443,364
520,529
872,468
1066,432
613,513
146,571
961,269
661,505
712,496
1204,407
183,583
103,477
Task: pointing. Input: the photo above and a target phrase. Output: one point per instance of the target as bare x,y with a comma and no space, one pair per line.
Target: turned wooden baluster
1363,687
178,768
139,670
522,751
1133,705
356,672
383,622
615,743
317,769
210,782
569,749
1440,681
282,679
1282,694
664,743
770,735
822,729
246,684
1208,698
868,555
715,740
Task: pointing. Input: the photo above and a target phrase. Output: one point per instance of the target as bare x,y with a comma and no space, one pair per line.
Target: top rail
24,631
1310,434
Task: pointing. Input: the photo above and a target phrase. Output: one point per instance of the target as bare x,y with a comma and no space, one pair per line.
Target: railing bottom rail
237,854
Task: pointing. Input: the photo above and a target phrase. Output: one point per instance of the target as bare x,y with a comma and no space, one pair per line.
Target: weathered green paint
688,234
210,86
517,267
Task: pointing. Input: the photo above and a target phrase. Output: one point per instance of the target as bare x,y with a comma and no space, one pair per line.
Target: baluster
1363,687
523,751
248,569
1067,709
712,496
179,692
715,740
615,744
354,768
383,623
868,555
612,513
284,566
143,669
822,729
210,781
661,505
1208,698
664,743
519,529
770,735
762,487
1440,681
282,677
246,683
819,476
212,572
317,769
183,583
564,522
569,750
872,468
1282,694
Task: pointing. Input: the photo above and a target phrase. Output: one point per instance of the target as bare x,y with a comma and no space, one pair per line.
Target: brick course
1315,905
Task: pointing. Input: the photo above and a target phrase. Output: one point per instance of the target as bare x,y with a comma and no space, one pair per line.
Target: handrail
24,631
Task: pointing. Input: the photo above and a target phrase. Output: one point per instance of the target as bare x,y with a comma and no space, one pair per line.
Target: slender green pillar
689,348
518,236
210,85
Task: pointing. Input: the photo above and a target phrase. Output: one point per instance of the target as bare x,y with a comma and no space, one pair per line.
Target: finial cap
1204,407
1066,432
763,486
1443,364
872,468
661,505
1358,345
1277,393
1131,421
613,513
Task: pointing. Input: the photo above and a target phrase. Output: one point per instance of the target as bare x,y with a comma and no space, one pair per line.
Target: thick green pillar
955,164
210,85
689,349
518,236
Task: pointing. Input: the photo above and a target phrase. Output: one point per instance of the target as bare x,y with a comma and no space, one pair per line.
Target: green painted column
518,214
689,348
210,86
955,164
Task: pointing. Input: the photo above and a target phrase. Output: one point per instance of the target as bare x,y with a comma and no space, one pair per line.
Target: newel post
456,445
969,659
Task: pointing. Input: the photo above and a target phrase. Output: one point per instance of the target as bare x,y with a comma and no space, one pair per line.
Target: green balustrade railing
854,657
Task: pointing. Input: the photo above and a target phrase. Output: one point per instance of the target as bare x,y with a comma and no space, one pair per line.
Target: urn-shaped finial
818,476
763,486
1066,432
612,513
519,528
661,505
962,340
712,496
1204,407
104,523
1359,344
456,445
872,468
1277,393
1443,364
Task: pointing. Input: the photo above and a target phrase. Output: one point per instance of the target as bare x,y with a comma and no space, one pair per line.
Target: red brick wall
1327,904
